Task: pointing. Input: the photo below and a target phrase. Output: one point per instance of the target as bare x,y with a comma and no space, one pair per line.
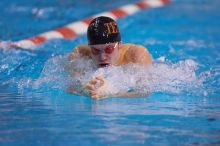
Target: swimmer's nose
102,56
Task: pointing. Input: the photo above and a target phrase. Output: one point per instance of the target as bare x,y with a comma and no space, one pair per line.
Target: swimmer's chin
104,65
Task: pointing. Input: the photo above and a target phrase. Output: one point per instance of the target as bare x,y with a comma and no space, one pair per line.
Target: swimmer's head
103,30
104,40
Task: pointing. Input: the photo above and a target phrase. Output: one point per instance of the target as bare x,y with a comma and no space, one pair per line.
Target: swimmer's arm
78,51
100,88
131,94
127,95
139,54
72,90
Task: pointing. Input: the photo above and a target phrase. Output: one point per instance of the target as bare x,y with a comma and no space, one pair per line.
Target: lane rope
74,29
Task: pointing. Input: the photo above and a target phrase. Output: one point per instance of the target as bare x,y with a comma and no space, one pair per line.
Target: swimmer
105,48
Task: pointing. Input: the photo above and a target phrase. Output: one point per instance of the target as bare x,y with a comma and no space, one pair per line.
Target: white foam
58,73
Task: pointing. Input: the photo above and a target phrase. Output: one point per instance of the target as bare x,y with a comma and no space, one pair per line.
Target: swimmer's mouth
104,64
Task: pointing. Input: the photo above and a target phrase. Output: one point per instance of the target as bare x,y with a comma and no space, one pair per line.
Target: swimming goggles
108,49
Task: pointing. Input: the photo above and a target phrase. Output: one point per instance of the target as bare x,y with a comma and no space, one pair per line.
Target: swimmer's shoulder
134,47
82,50
127,46
81,47
137,54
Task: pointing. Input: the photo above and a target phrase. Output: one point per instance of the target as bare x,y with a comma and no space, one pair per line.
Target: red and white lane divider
74,29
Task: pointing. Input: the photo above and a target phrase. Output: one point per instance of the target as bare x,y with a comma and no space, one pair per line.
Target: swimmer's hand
98,88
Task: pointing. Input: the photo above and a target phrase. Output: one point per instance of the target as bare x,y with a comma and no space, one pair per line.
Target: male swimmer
106,49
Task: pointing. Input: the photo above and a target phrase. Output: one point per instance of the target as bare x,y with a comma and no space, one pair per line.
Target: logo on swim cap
112,27
103,30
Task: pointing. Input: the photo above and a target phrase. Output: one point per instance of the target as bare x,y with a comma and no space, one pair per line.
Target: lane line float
74,29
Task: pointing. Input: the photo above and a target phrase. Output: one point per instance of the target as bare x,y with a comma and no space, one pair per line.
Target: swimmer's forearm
133,94
73,90
130,94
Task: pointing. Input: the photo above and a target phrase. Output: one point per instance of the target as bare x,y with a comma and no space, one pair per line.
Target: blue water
183,108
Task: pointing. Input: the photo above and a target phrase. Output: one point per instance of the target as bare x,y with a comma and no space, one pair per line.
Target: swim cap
103,30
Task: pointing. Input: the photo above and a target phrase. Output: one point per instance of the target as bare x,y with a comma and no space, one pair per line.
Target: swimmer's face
105,54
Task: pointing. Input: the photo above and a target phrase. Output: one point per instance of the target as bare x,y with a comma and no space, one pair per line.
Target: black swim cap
103,30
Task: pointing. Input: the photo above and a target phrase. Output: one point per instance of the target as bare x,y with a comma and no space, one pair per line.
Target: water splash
160,77
179,78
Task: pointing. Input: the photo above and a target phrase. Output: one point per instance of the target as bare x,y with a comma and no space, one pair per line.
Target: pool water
182,109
